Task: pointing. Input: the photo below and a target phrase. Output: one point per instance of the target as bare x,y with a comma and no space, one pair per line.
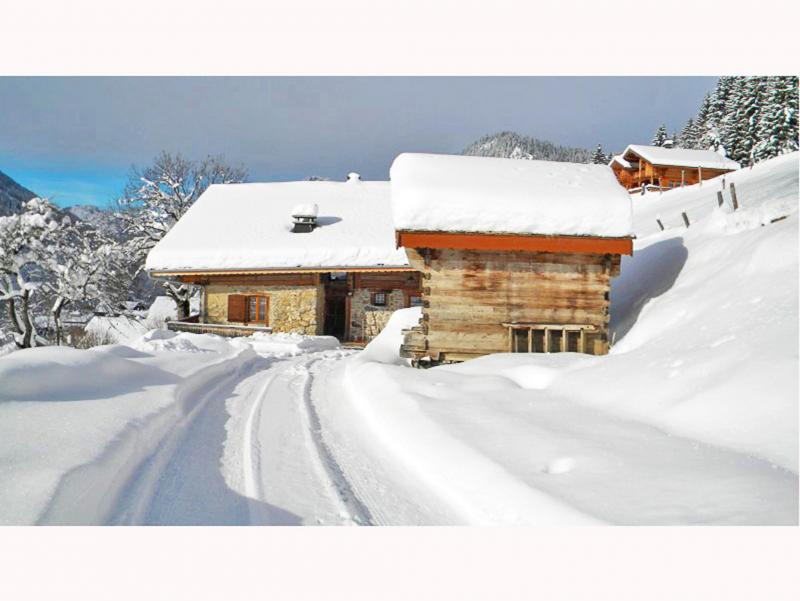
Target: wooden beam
163,273
517,242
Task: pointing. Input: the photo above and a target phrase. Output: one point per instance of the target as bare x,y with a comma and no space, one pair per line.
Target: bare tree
157,196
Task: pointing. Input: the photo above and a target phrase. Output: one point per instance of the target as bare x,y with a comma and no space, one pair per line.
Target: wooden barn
310,257
664,168
515,256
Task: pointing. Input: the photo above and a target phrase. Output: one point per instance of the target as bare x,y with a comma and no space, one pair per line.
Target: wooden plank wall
468,295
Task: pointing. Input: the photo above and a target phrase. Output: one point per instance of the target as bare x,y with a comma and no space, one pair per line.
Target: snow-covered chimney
668,144
305,218
353,177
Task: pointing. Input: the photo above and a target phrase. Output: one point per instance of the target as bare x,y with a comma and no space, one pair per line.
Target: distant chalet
308,257
664,168
515,255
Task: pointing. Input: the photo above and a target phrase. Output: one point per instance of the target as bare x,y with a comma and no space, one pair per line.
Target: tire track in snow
250,460
358,511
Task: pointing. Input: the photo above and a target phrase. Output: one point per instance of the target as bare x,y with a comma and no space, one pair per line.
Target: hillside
103,220
12,195
511,145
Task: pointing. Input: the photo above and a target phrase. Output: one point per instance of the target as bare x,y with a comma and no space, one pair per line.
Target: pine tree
747,118
599,157
732,124
777,127
715,117
701,123
660,136
688,137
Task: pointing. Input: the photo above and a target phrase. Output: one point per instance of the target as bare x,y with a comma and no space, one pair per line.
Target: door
335,315
335,319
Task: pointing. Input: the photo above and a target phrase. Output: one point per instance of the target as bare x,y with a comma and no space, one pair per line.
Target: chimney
353,177
304,218
668,144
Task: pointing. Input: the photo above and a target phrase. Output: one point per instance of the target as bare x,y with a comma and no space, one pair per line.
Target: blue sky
74,139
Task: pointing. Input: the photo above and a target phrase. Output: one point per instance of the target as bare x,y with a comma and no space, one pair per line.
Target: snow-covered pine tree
778,127
660,136
599,157
701,123
688,137
747,117
715,117
156,197
732,130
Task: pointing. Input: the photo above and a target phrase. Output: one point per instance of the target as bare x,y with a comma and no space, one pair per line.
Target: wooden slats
515,242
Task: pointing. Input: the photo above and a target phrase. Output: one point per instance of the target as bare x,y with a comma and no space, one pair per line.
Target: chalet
515,256
310,257
663,167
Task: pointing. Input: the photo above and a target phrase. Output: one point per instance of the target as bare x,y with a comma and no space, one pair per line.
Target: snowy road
284,441
250,452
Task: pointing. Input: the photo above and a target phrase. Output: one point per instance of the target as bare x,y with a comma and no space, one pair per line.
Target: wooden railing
220,329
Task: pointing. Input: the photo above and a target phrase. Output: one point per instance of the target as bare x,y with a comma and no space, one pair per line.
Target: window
257,309
551,338
414,301
379,299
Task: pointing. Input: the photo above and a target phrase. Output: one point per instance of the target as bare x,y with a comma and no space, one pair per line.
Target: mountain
12,195
511,145
103,220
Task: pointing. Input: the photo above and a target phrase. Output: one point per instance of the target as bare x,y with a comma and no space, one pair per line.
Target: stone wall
291,308
367,320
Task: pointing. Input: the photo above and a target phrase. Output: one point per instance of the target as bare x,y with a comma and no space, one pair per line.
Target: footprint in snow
562,465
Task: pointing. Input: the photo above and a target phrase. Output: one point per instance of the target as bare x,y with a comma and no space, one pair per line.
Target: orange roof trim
516,242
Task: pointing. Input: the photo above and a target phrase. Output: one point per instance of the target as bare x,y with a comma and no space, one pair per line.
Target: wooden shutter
237,305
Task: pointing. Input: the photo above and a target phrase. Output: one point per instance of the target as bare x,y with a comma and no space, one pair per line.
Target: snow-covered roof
681,157
617,158
249,226
451,193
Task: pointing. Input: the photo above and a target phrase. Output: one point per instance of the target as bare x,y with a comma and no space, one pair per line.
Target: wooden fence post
719,199
661,225
733,196
685,218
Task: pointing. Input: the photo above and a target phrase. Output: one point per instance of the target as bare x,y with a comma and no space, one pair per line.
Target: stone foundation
292,309
367,320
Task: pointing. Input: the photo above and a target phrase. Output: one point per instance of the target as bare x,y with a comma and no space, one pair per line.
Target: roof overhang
166,273
599,245
631,154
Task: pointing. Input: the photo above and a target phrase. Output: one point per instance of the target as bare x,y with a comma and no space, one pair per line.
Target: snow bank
478,194
160,341
354,228
163,309
290,344
479,490
60,374
385,347
77,425
119,329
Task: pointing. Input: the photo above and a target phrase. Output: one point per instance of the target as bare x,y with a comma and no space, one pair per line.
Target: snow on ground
691,419
119,329
75,425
